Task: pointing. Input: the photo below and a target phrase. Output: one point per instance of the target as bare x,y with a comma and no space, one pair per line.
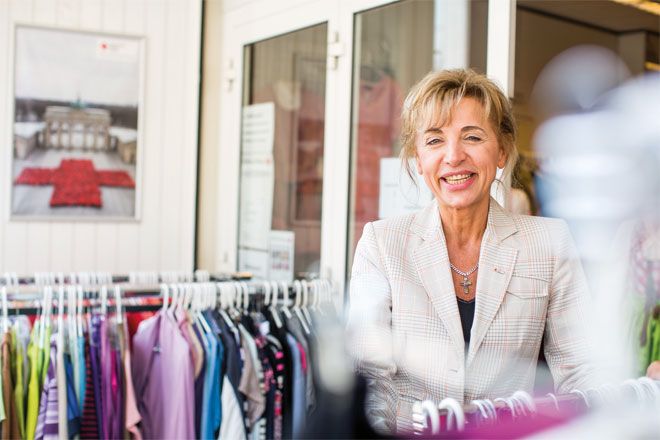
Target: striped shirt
47,423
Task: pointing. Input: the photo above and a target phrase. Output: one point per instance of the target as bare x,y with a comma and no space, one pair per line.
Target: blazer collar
496,262
427,222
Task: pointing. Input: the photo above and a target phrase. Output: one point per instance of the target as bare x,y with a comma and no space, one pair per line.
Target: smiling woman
455,300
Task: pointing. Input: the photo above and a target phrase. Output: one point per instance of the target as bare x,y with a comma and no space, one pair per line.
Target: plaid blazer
405,331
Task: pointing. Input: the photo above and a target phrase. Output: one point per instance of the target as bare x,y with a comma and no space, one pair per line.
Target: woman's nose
454,153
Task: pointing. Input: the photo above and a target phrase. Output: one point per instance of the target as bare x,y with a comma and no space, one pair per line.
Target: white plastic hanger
104,300
454,413
118,306
79,312
267,290
273,305
297,285
285,305
429,408
246,296
5,313
305,304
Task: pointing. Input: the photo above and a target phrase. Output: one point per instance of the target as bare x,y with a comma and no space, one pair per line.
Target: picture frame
77,125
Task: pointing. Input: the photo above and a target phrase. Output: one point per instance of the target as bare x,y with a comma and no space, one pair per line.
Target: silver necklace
466,283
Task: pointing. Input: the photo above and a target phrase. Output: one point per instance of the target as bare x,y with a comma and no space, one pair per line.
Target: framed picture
77,125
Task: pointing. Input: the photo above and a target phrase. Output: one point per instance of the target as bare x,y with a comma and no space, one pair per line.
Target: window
395,46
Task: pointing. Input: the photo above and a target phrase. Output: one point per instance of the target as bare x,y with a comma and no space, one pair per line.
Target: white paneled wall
163,238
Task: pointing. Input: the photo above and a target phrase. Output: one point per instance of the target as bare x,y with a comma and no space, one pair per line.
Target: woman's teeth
457,179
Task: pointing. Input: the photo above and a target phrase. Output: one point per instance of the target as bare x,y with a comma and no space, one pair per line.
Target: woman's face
459,160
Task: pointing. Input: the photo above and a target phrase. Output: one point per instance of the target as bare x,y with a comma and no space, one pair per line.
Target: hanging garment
297,330
218,375
210,413
47,422
298,403
95,358
279,334
32,412
232,425
73,410
18,357
132,415
199,389
251,379
62,401
161,361
82,384
277,361
9,425
89,426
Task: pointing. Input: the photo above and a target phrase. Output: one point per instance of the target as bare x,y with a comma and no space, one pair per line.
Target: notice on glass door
282,252
398,194
257,176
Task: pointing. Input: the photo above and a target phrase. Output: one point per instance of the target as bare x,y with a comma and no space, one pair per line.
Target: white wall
163,239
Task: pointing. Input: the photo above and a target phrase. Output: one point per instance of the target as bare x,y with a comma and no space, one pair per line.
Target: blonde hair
437,94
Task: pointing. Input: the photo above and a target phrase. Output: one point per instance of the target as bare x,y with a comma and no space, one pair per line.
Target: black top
466,310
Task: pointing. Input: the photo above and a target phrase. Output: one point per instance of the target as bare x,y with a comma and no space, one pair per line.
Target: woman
454,300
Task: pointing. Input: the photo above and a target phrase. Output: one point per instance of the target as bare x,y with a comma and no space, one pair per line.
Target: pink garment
163,376
132,416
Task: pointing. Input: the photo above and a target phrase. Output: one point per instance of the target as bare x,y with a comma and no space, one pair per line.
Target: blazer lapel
496,263
432,263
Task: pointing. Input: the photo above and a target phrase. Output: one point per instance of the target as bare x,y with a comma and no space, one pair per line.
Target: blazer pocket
524,287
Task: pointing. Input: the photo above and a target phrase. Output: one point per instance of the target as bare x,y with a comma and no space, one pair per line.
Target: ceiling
615,16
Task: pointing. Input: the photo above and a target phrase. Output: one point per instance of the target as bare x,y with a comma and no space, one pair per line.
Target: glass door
281,165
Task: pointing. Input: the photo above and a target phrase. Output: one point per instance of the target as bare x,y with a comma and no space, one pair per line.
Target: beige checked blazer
404,327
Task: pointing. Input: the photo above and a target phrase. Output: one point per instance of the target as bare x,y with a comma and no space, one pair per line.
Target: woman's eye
433,141
473,138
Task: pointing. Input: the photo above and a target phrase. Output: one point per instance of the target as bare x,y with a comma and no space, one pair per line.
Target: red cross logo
76,182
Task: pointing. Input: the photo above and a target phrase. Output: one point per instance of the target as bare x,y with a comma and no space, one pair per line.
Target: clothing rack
138,298
96,278
428,416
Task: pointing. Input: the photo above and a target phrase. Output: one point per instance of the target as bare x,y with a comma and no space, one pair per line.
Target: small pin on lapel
498,270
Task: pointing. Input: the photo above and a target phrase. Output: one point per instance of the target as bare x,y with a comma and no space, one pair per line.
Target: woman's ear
501,161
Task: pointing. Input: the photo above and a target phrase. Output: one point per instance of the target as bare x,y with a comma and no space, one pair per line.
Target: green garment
45,356
33,353
651,349
19,391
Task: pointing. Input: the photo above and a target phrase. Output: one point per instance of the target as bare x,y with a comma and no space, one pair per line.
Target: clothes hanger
246,297
297,285
455,414
118,309
165,293
525,399
584,396
305,310
431,412
509,404
104,300
79,312
285,305
5,315
273,308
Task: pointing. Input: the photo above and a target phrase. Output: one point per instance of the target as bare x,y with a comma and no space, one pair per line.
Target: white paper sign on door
257,176
398,195
282,252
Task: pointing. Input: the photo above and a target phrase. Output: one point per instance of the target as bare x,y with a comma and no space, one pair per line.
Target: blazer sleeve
566,347
369,330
